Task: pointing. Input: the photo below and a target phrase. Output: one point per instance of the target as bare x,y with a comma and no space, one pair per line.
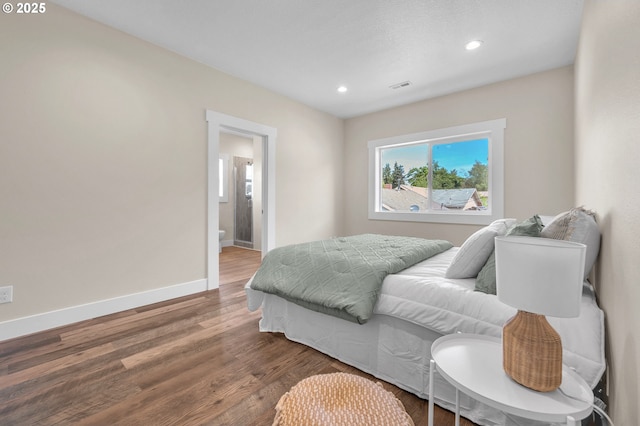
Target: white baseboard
47,320
226,243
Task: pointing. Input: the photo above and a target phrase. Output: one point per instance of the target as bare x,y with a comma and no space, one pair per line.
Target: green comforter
341,276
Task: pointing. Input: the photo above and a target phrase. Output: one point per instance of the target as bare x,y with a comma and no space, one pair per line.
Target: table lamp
537,276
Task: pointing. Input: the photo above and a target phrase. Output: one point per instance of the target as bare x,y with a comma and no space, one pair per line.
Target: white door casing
217,123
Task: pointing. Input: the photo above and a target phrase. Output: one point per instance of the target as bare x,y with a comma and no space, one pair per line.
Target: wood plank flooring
196,360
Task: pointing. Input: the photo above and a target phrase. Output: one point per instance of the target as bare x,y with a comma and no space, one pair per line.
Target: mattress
416,306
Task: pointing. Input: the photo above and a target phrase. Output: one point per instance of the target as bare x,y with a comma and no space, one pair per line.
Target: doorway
266,137
240,217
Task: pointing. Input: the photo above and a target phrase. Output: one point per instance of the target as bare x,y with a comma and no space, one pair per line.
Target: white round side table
472,363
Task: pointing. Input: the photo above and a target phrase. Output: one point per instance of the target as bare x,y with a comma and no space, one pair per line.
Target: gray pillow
579,226
486,279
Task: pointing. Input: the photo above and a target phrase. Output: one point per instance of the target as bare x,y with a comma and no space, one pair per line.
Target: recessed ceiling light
342,89
473,44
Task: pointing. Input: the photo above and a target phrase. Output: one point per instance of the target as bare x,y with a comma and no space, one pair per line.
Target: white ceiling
305,49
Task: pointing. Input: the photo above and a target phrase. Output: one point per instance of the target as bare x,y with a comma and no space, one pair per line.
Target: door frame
216,123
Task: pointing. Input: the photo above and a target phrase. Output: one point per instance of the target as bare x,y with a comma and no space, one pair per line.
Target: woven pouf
339,399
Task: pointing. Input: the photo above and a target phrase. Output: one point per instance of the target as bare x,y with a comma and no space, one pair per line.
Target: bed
422,302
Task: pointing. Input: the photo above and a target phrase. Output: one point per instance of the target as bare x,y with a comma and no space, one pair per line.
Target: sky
460,156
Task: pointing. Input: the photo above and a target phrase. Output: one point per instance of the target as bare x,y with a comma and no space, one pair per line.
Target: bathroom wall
234,146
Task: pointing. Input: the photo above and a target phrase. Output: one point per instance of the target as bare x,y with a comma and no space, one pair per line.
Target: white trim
218,122
47,320
494,128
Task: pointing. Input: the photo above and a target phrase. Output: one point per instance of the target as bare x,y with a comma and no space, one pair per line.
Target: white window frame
492,130
223,177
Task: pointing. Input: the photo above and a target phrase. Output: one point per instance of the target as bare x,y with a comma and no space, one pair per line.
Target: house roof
408,196
453,198
402,200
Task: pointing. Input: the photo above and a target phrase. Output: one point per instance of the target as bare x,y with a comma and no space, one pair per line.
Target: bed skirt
388,348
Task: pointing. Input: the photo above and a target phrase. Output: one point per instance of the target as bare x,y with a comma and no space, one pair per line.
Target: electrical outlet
6,294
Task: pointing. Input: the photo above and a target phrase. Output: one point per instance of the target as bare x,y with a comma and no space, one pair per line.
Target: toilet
220,237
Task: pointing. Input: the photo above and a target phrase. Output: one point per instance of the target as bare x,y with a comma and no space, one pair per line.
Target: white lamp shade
540,275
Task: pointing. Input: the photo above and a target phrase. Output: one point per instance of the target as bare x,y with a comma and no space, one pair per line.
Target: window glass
404,177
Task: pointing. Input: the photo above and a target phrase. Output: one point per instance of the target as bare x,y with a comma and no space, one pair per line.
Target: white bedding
422,295
415,307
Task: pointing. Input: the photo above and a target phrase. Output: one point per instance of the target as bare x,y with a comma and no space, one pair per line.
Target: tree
386,174
418,176
444,179
478,177
398,175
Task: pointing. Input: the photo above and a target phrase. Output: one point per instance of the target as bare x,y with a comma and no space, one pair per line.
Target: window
223,178
452,175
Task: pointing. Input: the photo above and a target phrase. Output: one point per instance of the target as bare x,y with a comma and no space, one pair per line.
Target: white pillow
475,251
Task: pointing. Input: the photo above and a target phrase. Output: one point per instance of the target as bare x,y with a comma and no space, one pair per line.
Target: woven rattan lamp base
532,352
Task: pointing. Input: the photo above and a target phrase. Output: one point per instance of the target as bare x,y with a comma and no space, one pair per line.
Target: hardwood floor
238,263
195,360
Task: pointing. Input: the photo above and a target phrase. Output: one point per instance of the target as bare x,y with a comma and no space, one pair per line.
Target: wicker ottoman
339,399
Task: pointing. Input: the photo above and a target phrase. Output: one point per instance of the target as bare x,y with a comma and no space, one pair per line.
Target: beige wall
539,166
607,176
103,162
